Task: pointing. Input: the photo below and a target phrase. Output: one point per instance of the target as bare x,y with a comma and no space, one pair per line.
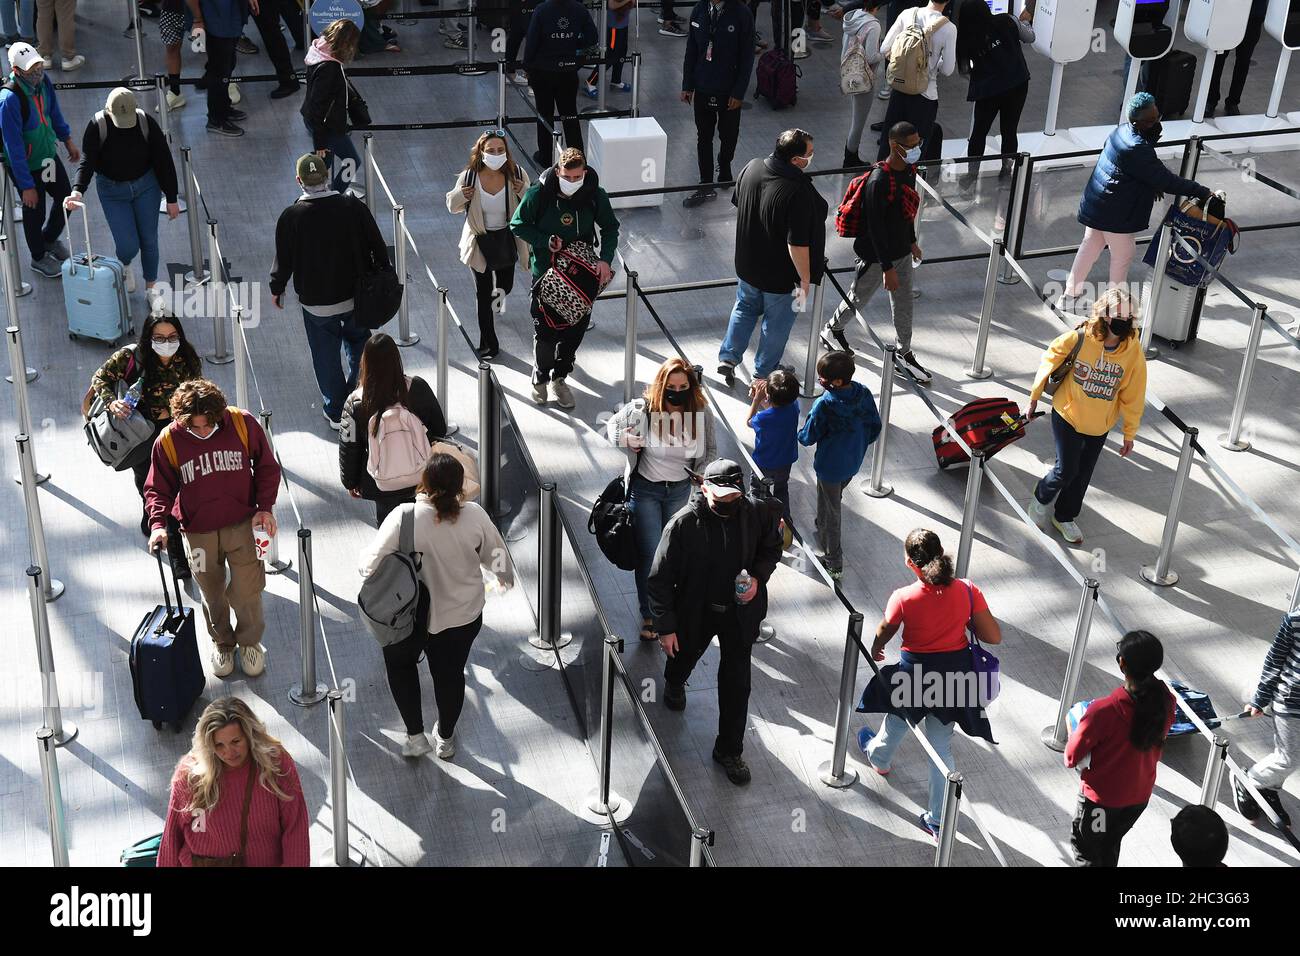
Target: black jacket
885,233
557,34
314,245
324,102
354,437
777,206
727,74
693,544
125,155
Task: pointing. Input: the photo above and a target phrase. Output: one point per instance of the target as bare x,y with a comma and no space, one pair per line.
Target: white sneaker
563,394
885,91
252,660
416,745
235,95
48,61
1069,531
446,748
908,362
129,279
175,100
1038,511
223,661
539,393
76,63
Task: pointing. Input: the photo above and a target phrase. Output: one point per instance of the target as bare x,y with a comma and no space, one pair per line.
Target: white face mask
913,155
215,429
494,160
166,349
570,186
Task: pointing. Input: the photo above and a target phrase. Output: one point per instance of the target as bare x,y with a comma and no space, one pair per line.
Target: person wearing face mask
1108,381
565,205
236,799
214,471
709,578
487,191
885,239
32,126
1117,201
920,109
161,361
557,34
666,435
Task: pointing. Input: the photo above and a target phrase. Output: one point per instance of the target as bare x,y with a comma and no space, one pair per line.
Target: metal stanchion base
353,859
765,633
277,567
537,660
219,359
31,376
981,374
827,773
40,479
593,811
296,696
180,202
1149,574
1152,353
56,592
414,337
884,491
1232,446
1048,736
564,641
66,735
1008,278
193,279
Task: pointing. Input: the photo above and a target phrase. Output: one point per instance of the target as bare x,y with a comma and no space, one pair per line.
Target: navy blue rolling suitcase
165,668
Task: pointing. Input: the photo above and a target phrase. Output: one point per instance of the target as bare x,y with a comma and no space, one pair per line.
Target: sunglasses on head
498,133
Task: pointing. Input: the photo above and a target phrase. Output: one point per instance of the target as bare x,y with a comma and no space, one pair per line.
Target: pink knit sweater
277,829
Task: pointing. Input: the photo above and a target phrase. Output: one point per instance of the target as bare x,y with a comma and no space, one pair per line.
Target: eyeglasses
160,340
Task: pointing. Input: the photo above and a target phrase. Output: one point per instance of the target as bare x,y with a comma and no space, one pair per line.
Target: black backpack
611,523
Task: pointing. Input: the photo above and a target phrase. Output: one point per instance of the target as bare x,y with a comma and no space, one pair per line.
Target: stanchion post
1231,439
700,838
1164,249
550,572
306,27
970,509
489,441
197,273
1160,574
165,123
273,563
1213,779
308,690
997,258
14,270
501,93
833,772
636,83
810,387
951,814
37,552
629,340
217,299
53,792
404,335
444,363
51,711
875,486
604,802
471,43
22,407
338,777
1016,202
605,54
139,44
1056,734
18,367
241,356
1293,604
367,172
1191,162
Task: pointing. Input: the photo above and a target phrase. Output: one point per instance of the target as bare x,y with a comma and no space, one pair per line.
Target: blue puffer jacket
842,423
1124,184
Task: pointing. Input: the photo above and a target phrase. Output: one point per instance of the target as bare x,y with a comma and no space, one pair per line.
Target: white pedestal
629,153
1256,123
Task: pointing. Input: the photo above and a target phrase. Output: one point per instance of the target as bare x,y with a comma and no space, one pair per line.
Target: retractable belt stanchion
1056,735
700,838
974,480
605,53
21,406
20,370
9,227
139,44
444,318
367,172
1191,163
604,801
1149,310
636,83
833,772
217,299
51,711
766,630
165,122
470,40
1016,202
951,814
306,27
1214,765
308,690
197,273
550,572
39,554
338,778
489,441
629,340
241,357
814,332
1160,573
273,563
53,793
997,258
405,336
501,93
1231,439
875,486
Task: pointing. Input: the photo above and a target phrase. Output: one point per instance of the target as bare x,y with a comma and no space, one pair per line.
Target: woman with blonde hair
487,191
665,435
331,105
235,797
1102,375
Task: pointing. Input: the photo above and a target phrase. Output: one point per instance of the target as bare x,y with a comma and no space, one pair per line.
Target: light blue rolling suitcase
94,294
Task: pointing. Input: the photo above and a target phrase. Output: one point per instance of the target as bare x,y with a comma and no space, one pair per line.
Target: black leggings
555,90
485,284
1007,108
447,653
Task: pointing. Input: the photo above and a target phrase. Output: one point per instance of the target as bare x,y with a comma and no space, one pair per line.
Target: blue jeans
131,209
880,753
652,504
18,20
777,311
326,335
341,148
1067,482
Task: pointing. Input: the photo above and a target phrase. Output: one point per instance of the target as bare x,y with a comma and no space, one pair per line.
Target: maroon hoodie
215,485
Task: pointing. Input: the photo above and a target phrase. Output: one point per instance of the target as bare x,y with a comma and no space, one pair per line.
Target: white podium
629,153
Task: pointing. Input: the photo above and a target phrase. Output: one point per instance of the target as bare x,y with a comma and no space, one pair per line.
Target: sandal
648,632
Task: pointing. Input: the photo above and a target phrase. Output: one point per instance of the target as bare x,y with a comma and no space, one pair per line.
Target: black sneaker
286,88
1274,799
1246,804
724,176
835,341
225,129
728,373
671,28
246,46
236,116
675,696
48,266
737,769
699,197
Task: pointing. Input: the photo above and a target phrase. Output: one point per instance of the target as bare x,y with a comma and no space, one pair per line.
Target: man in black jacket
698,590
557,34
318,241
715,75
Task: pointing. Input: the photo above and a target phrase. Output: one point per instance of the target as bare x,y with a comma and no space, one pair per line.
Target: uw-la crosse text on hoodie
1104,385
215,484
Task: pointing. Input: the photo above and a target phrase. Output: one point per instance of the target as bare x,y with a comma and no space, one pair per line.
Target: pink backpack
398,449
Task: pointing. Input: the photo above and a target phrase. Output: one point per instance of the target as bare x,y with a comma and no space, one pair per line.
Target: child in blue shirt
842,423
774,416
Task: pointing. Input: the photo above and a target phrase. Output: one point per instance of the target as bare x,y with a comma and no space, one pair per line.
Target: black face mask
678,398
1154,132
724,509
1121,327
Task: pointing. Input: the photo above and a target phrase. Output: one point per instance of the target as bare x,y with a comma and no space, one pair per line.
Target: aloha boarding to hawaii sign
325,12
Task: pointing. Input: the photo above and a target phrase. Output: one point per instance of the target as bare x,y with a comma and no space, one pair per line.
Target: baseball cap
312,170
723,477
23,56
121,108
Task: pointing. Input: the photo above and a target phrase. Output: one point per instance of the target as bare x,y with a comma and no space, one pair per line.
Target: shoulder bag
986,666
1063,371
378,292
234,859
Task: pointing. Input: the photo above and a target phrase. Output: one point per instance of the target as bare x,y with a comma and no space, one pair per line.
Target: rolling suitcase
94,294
1170,80
166,672
988,424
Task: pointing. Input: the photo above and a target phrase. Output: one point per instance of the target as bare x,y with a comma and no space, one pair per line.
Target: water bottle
742,585
132,397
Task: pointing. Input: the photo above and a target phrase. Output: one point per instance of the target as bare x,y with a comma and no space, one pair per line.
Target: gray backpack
389,597
120,443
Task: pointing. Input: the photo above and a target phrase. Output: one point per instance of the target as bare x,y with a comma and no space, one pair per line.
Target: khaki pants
46,11
209,552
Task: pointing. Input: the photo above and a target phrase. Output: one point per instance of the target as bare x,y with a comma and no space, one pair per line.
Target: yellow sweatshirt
1104,386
